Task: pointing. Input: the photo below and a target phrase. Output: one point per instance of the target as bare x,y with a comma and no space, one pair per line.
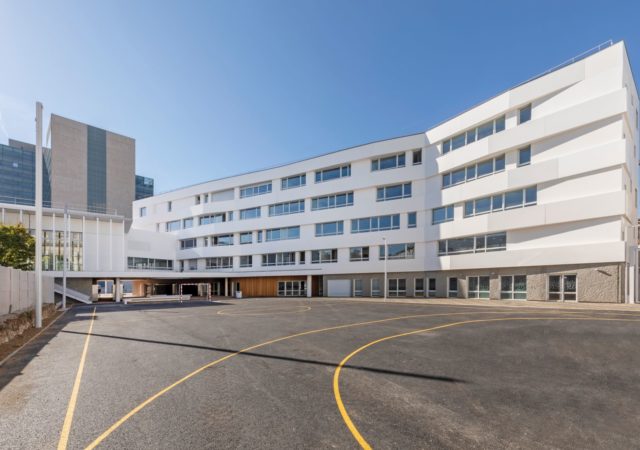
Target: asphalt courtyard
297,373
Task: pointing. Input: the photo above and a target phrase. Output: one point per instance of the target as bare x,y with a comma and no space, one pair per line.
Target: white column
309,293
226,287
20,219
117,291
111,244
84,248
97,244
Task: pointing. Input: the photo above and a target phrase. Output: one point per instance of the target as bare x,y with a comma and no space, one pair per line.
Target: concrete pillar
226,287
117,291
309,292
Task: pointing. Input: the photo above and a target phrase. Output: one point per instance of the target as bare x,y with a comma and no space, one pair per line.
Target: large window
509,200
412,219
279,259
375,287
333,173
474,134
478,287
418,287
294,288
281,234
473,172
473,244
524,114
397,287
328,255
187,223
513,287
332,201
417,157
452,287
246,261
188,243
358,290
250,213
393,192
377,223
220,262
174,225
399,251
246,237
255,189
212,218
359,254
431,287
222,239
524,156
281,209
563,287
149,263
388,162
442,214
294,181
329,228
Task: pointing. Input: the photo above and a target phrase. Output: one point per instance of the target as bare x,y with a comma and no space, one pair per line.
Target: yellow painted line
31,340
160,393
68,419
336,374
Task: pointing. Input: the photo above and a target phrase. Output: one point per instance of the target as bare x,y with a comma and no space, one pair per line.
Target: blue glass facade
144,187
17,175
96,169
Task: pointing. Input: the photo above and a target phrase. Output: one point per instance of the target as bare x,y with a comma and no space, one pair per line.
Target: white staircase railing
73,294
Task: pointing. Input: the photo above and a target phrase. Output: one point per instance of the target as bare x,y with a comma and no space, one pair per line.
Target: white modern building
530,195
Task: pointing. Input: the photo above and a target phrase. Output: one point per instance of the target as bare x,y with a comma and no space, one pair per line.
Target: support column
309,291
226,287
117,291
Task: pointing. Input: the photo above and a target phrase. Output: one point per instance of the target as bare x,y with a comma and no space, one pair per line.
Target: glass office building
17,174
144,187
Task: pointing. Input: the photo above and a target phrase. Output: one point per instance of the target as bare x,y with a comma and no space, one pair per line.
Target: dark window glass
499,163
497,202
484,130
531,195
471,172
513,199
446,146
471,136
524,156
457,176
485,168
500,122
457,141
483,205
525,114
496,241
460,245
468,208
446,180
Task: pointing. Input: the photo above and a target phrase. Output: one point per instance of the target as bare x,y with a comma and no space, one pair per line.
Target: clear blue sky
210,89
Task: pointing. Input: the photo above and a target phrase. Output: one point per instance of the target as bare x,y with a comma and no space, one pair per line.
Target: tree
17,247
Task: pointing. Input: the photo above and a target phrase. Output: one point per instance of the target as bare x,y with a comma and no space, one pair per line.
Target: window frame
303,181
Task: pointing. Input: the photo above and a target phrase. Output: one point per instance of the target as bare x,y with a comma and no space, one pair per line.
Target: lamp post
386,257
38,207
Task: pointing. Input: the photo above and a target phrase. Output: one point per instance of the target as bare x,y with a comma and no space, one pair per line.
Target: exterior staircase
73,294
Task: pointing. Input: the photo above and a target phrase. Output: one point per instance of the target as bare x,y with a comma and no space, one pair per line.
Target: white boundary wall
18,292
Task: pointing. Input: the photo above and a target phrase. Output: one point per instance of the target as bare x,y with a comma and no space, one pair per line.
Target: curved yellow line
336,374
160,393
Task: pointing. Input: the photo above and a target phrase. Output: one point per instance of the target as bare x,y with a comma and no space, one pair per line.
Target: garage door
339,288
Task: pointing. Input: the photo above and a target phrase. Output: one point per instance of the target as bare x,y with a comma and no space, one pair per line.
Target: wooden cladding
268,286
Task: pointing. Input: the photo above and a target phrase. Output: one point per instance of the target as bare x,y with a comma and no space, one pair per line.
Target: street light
386,257
38,207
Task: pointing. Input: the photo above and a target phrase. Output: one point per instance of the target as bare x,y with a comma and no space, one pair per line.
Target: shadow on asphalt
280,358
15,365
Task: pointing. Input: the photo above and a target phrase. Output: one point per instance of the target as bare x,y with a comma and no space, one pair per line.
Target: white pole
64,258
386,257
38,206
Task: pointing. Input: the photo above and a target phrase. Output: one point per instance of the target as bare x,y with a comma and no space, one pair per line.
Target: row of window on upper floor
482,131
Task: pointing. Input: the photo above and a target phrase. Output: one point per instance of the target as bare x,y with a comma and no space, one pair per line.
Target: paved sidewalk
498,303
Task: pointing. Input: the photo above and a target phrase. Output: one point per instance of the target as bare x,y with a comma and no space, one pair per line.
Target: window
443,214
187,223
513,287
417,157
332,201
294,181
329,255
473,244
509,200
280,209
397,287
149,263
279,259
222,240
399,251
197,199
431,285
143,211
188,243
255,189
220,262
205,241
478,287
524,156
329,228
211,218
206,198
393,192
282,234
474,171
333,173
295,288
259,236
174,225
230,216
246,237
359,254
169,206
474,134
388,162
302,257
524,114
452,287
250,213
418,287
189,264
357,288
563,287
412,219
246,261
375,287
377,223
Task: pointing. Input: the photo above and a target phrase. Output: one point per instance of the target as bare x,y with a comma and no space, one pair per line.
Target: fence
18,290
